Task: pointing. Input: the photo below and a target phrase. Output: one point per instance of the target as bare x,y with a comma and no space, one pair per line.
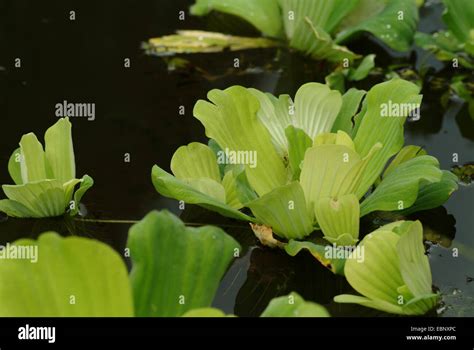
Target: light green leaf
387,130
324,14
284,210
432,195
195,161
263,14
326,255
351,101
374,304
206,312
339,219
316,108
406,153
316,43
90,271
395,25
298,143
15,209
176,268
414,264
394,275
86,183
232,121
59,150
293,305
325,172
33,161
363,69
399,189
231,190
199,41
42,198
171,187
274,114
14,167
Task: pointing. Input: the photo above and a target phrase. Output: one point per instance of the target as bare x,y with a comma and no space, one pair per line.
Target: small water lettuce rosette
45,179
318,162
395,274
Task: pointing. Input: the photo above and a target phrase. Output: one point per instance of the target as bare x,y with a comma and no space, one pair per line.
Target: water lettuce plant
394,275
45,179
315,163
457,42
175,272
316,28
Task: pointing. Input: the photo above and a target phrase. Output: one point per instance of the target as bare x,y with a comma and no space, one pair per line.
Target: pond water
137,113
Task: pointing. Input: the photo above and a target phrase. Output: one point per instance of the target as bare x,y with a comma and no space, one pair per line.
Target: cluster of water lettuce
315,28
45,179
319,163
457,42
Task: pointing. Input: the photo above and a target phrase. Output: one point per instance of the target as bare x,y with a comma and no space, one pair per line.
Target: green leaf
324,14
74,267
293,305
42,198
316,108
385,130
405,154
351,101
459,17
339,219
171,187
14,167
263,14
59,150
232,121
176,268
284,210
231,190
33,161
435,194
274,114
195,161
206,312
399,189
316,43
387,25
363,69
86,183
394,275
15,209
414,264
333,170
326,255
298,143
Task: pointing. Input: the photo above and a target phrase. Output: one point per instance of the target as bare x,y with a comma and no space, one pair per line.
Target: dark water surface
137,113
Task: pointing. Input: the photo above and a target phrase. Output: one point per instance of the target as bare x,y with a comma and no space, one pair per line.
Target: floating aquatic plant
45,179
175,272
457,42
316,28
71,277
312,163
395,274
